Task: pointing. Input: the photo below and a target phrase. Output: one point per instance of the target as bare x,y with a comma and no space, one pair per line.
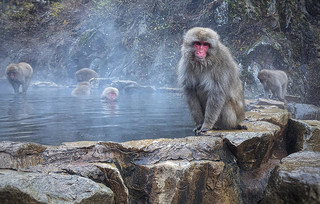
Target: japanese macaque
85,74
110,94
209,77
83,89
275,81
19,74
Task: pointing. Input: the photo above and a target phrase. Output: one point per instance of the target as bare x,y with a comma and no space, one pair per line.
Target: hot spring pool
51,116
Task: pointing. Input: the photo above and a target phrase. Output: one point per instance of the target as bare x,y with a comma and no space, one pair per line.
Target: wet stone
295,180
303,135
20,187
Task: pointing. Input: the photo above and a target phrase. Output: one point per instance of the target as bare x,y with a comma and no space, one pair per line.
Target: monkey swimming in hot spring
110,94
210,81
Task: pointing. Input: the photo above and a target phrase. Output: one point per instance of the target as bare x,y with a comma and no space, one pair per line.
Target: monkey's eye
197,43
206,44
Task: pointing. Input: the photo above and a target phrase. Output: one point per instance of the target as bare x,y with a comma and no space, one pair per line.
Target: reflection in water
110,108
19,107
19,117
53,116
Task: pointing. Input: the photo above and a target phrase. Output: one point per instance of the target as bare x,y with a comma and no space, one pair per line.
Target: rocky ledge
247,166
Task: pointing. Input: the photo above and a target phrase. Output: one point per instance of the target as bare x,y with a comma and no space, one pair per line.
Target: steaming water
51,116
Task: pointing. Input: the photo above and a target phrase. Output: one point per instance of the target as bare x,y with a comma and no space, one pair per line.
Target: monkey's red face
11,75
201,49
112,95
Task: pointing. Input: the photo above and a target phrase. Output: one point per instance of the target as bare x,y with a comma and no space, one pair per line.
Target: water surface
51,116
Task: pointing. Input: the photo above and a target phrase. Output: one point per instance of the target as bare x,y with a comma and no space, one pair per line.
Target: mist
89,34
141,40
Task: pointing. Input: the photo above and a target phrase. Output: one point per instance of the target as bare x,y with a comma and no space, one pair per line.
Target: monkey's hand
197,128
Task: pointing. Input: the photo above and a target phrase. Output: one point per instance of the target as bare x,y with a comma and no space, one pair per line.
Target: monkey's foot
197,128
242,127
199,133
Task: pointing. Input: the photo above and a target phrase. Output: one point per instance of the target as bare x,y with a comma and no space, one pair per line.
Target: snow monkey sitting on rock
209,77
275,81
19,75
85,74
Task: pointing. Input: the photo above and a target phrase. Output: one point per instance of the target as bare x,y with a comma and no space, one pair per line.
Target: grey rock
306,112
44,84
253,148
107,174
296,180
20,187
303,135
100,82
140,89
121,84
227,166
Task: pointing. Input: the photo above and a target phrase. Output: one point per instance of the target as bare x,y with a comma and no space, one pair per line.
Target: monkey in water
85,74
19,74
275,81
83,89
210,81
110,94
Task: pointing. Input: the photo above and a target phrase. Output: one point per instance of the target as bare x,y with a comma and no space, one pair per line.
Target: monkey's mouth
200,58
200,55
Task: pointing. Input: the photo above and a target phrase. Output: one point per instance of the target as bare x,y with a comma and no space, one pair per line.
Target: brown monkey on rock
19,74
85,74
275,81
209,77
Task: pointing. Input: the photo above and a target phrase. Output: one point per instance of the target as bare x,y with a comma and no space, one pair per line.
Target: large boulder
307,112
185,182
296,180
303,135
187,170
20,187
262,103
304,111
107,174
253,147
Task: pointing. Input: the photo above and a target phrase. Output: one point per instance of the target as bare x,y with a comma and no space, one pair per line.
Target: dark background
140,40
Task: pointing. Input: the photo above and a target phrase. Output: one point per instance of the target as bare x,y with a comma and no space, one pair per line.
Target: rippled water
52,116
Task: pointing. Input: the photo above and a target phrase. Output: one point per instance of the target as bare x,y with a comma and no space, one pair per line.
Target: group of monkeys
20,75
83,88
207,74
